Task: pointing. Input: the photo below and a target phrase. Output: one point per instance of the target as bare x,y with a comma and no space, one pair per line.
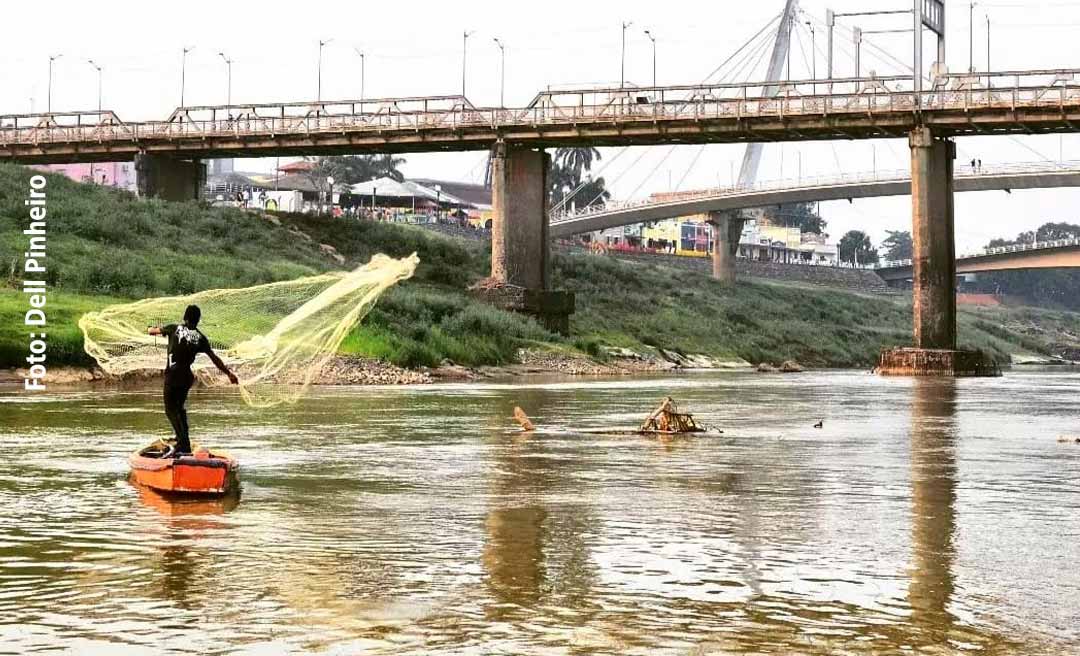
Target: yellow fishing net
277,337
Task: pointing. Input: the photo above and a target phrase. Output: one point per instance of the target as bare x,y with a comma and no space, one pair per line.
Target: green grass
105,246
62,311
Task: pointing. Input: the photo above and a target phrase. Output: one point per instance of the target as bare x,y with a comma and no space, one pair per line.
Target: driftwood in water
667,419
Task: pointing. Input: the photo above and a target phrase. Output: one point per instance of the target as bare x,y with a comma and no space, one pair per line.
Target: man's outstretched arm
154,330
221,365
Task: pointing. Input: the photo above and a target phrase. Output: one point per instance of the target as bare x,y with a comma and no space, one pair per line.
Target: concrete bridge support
160,176
934,269
933,235
727,229
520,244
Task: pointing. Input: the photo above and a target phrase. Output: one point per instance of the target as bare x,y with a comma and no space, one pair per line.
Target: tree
800,215
351,169
898,245
856,248
570,169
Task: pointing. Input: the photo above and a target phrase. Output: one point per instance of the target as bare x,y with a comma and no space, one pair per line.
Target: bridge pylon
727,227
934,269
520,243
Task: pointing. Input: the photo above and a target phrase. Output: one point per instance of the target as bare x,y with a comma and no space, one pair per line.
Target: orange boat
204,472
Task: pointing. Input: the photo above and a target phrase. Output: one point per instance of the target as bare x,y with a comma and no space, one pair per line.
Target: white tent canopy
390,188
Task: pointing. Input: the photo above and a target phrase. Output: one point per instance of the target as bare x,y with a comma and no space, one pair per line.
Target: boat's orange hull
205,472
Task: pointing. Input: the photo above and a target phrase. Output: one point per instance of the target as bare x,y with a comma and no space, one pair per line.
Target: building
120,175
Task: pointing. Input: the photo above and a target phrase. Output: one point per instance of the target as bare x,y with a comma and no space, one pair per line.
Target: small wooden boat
204,472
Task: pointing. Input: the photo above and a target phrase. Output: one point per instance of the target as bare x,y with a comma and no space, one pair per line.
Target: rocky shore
368,371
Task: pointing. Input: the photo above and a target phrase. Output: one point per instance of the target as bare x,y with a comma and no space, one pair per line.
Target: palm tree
387,166
577,161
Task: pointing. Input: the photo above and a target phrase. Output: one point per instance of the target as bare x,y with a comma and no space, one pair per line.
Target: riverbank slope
104,247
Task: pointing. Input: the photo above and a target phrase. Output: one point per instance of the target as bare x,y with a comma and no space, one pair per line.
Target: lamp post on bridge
98,68
653,39
971,36
92,63
622,55
464,49
318,86
183,71
48,97
813,52
228,83
502,73
361,53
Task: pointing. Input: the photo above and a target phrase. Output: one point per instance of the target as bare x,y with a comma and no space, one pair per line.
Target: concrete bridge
868,185
1021,102
1057,254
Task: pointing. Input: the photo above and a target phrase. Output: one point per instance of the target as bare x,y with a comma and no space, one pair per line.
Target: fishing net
277,337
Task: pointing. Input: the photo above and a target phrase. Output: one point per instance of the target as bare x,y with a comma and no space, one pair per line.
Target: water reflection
534,550
933,504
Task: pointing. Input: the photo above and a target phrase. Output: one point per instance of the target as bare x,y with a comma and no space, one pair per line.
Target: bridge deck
1000,103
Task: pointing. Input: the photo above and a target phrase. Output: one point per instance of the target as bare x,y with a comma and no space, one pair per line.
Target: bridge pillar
520,244
934,269
727,229
160,176
933,234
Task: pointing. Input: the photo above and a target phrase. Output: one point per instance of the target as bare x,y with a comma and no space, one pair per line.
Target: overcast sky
415,49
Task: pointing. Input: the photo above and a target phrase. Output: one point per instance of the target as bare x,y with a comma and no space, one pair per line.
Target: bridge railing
997,250
807,182
871,96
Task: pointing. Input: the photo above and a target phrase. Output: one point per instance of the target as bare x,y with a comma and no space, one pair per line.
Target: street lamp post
92,63
183,71
318,88
464,46
622,56
988,69
502,73
48,98
813,51
653,39
971,36
228,83
361,53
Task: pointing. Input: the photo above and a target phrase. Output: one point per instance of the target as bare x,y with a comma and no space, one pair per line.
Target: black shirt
184,344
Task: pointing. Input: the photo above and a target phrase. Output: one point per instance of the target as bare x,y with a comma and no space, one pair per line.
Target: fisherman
185,342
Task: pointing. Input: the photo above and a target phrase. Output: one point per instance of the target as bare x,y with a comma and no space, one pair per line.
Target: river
925,516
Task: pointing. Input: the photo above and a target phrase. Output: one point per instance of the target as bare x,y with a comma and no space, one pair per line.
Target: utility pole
502,74
183,71
361,53
48,98
228,83
622,56
653,39
318,88
464,46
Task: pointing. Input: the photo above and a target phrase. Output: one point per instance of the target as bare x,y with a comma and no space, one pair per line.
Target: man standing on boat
185,342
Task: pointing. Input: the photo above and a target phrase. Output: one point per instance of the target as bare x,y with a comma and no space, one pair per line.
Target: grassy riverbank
105,246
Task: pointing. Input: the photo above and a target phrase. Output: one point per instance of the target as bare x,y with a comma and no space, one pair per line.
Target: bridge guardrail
870,95
997,250
885,176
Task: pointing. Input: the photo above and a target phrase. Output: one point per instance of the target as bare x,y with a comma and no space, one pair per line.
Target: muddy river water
923,516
